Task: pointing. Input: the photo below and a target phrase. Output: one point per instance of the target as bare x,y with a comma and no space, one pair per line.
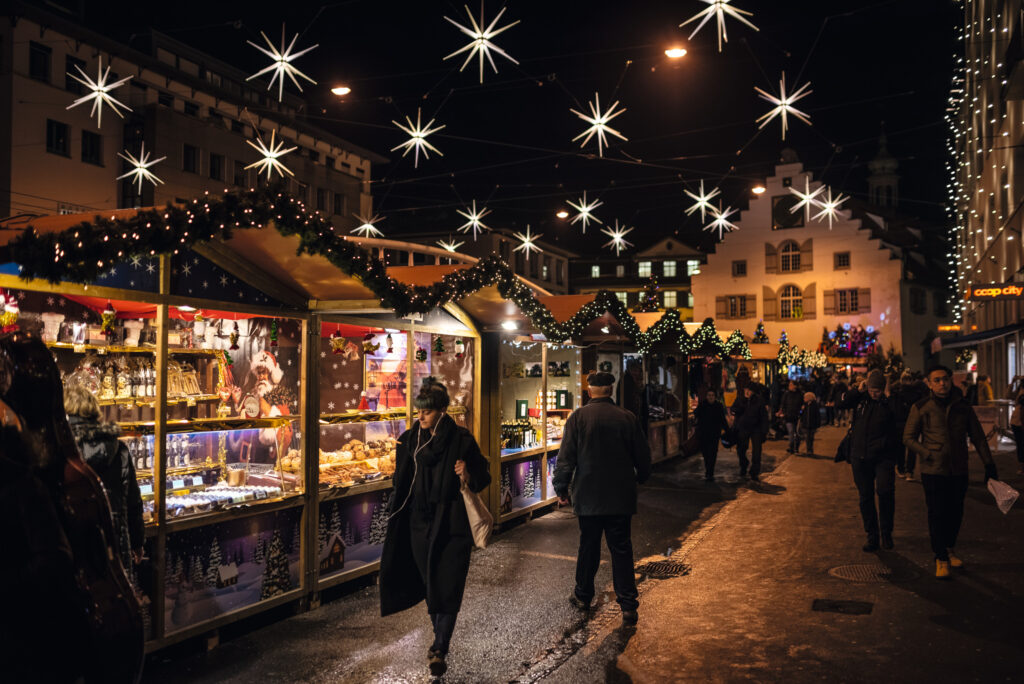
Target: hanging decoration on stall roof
273,333
701,202
585,211
108,318
473,222
421,354
719,9
390,344
99,92
281,65
140,167
337,341
760,336
233,337
369,346
598,121
784,105
417,141
963,358
439,345
460,348
648,301
9,311
481,45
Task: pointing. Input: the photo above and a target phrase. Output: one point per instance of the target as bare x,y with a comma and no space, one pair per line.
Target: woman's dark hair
432,395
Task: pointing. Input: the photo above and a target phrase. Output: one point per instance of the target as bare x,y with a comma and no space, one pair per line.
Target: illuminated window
595,271
623,297
791,302
846,301
668,269
692,267
620,270
789,257
644,269
737,306
669,299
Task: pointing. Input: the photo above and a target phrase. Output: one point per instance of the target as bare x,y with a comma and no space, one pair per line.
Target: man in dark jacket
711,422
751,426
836,394
810,420
789,411
937,429
907,393
874,450
603,457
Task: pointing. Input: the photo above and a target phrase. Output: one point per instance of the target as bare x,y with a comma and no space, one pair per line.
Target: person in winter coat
938,429
836,394
789,411
603,457
427,548
907,393
711,423
810,419
874,451
985,393
109,457
751,424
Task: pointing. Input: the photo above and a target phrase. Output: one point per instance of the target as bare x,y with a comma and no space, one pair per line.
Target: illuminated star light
702,201
417,138
806,197
281,66
598,124
473,220
830,207
450,245
140,169
784,105
99,92
721,221
481,44
526,244
585,210
618,240
718,9
271,157
367,226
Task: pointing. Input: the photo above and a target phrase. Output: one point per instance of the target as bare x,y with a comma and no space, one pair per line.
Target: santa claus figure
274,398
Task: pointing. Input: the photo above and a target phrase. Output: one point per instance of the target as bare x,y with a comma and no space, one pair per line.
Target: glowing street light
562,214
341,91
758,189
675,52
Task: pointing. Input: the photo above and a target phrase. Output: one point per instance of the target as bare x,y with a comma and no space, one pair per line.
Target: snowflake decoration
150,268
806,197
223,281
585,211
186,269
367,226
337,385
136,261
50,301
323,355
417,138
473,217
99,92
481,45
721,221
271,156
830,207
281,65
526,243
450,245
719,9
330,406
598,124
618,240
701,201
784,105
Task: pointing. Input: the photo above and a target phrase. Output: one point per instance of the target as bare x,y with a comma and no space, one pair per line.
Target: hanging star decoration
701,201
720,221
473,217
140,167
784,105
450,245
585,211
481,45
598,121
830,207
618,240
719,9
807,198
271,156
527,242
99,92
417,138
367,226
281,64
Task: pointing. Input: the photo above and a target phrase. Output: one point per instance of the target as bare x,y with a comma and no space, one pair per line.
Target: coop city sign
997,291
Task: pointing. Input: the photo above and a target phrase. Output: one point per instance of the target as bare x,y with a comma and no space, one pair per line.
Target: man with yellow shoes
937,430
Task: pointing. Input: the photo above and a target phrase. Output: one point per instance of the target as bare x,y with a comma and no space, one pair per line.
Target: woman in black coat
426,552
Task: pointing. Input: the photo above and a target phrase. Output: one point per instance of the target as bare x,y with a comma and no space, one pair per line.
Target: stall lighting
509,325
675,52
605,330
186,308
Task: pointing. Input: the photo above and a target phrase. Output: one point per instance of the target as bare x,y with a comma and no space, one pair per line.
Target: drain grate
873,572
663,569
840,606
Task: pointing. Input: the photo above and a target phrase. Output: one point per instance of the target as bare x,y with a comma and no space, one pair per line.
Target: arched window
789,257
791,303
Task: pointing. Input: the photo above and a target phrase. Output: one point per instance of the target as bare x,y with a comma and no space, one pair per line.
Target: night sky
507,143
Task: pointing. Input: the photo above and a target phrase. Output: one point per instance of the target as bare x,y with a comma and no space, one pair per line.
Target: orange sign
952,327
996,291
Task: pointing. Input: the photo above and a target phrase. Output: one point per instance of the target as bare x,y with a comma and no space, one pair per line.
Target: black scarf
429,448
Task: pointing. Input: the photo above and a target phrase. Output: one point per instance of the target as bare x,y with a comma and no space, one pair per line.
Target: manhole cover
873,572
841,606
663,569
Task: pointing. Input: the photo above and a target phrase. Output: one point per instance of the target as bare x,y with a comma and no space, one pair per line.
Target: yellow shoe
954,560
941,569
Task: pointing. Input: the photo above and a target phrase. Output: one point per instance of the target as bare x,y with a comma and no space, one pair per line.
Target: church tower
883,183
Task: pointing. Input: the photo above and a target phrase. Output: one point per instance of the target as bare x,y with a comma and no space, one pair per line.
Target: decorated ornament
99,92
390,344
527,242
108,317
417,138
719,9
618,240
473,217
807,197
720,221
830,207
585,211
228,360
784,105
439,345
364,405
369,346
199,318
481,44
271,156
460,348
8,313
421,354
140,167
598,121
450,245
233,338
367,226
273,333
281,66
337,341
702,202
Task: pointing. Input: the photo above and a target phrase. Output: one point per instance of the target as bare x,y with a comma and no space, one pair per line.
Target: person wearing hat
810,419
874,440
603,457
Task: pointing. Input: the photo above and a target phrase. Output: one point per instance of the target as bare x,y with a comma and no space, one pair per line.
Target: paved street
756,558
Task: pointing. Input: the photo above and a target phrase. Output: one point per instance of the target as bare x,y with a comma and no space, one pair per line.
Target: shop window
790,302
623,297
92,148
503,250
846,301
559,272
190,159
314,156
841,260
545,269
692,267
39,61
789,257
668,269
620,270
58,138
70,84
339,204
918,301
595,271
689,299
217,166
669,299
739,268
643,269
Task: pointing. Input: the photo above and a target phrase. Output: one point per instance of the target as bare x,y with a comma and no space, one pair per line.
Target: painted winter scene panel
351,532
552,461
520,484
216,569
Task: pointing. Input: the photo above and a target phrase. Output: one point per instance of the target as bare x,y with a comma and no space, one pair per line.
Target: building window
668,269
737,306
190,159
692,267
689,299
39,57
238,177
503,250
192,109
791,302
739,268
321,199
314,155
918,301
841,260
165,100
559,272
789,257
941,311
643,269
70,84
620,270
303,192
339,204
669,299
595,271
58,138
545,271
846,301
623,297
329,162
92,148
237,126
217,166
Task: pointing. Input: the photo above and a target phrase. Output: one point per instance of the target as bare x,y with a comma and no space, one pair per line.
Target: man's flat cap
600,379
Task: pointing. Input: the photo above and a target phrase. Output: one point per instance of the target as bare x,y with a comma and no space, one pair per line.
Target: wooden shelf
523,453
208,424
148,401
362,416
120,349
327,493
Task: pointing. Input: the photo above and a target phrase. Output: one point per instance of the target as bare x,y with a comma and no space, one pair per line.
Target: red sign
996,291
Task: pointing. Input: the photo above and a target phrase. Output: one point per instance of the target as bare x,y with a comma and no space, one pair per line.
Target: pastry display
356,461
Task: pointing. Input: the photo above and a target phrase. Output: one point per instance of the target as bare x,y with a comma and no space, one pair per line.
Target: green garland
84,252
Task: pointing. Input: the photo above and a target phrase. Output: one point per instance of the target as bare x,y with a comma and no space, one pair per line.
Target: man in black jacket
907,393
789,411
751,426
603,457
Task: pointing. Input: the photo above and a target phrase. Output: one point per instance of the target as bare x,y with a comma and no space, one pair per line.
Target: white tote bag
1005,494
481,522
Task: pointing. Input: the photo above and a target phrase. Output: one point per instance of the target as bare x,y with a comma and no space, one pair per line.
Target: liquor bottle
150,447
150,381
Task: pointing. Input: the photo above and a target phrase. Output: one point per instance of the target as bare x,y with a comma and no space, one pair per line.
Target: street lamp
341,91
758,189
562,214
675,52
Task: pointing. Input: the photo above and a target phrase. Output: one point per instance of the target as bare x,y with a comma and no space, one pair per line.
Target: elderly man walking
603,456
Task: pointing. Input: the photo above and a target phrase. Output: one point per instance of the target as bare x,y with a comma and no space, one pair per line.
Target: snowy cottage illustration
332,555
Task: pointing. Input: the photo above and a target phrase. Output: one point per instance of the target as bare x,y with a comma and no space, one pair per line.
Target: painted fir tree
379,523
197,575
348,537
335,528
296,544
260,551
529,485
213,566
322,534
277,578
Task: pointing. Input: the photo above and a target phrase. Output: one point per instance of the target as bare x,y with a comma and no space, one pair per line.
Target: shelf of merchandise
355,416
206,425
132,402
102,349
328,493
232,511
518,454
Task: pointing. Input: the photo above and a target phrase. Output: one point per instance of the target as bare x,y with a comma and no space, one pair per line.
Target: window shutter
810,301
806,255
751,306
771,258
771,303
721,307
830,302
864,300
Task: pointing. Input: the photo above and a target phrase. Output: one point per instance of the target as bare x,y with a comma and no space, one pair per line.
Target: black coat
711,421
810,416
603,457
751,415
792,401
450,539
875,433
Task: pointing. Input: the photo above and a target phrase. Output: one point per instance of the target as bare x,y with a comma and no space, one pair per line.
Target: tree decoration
337,342
793,356
830,207
648,297
760,337
273,333
99,92
367,227
450,245
271,157
460,348
140,167
585,211
421,354
108,317
473,220
9,311
390,344
526,242
807,197
281,64
848,341
720,221
228,361
719,9
233,337
417,138
963,358
481,45
439,345
618,240
702,202
369,346
598,121
784,105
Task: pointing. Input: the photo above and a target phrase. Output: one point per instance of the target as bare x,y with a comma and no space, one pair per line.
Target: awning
983,336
